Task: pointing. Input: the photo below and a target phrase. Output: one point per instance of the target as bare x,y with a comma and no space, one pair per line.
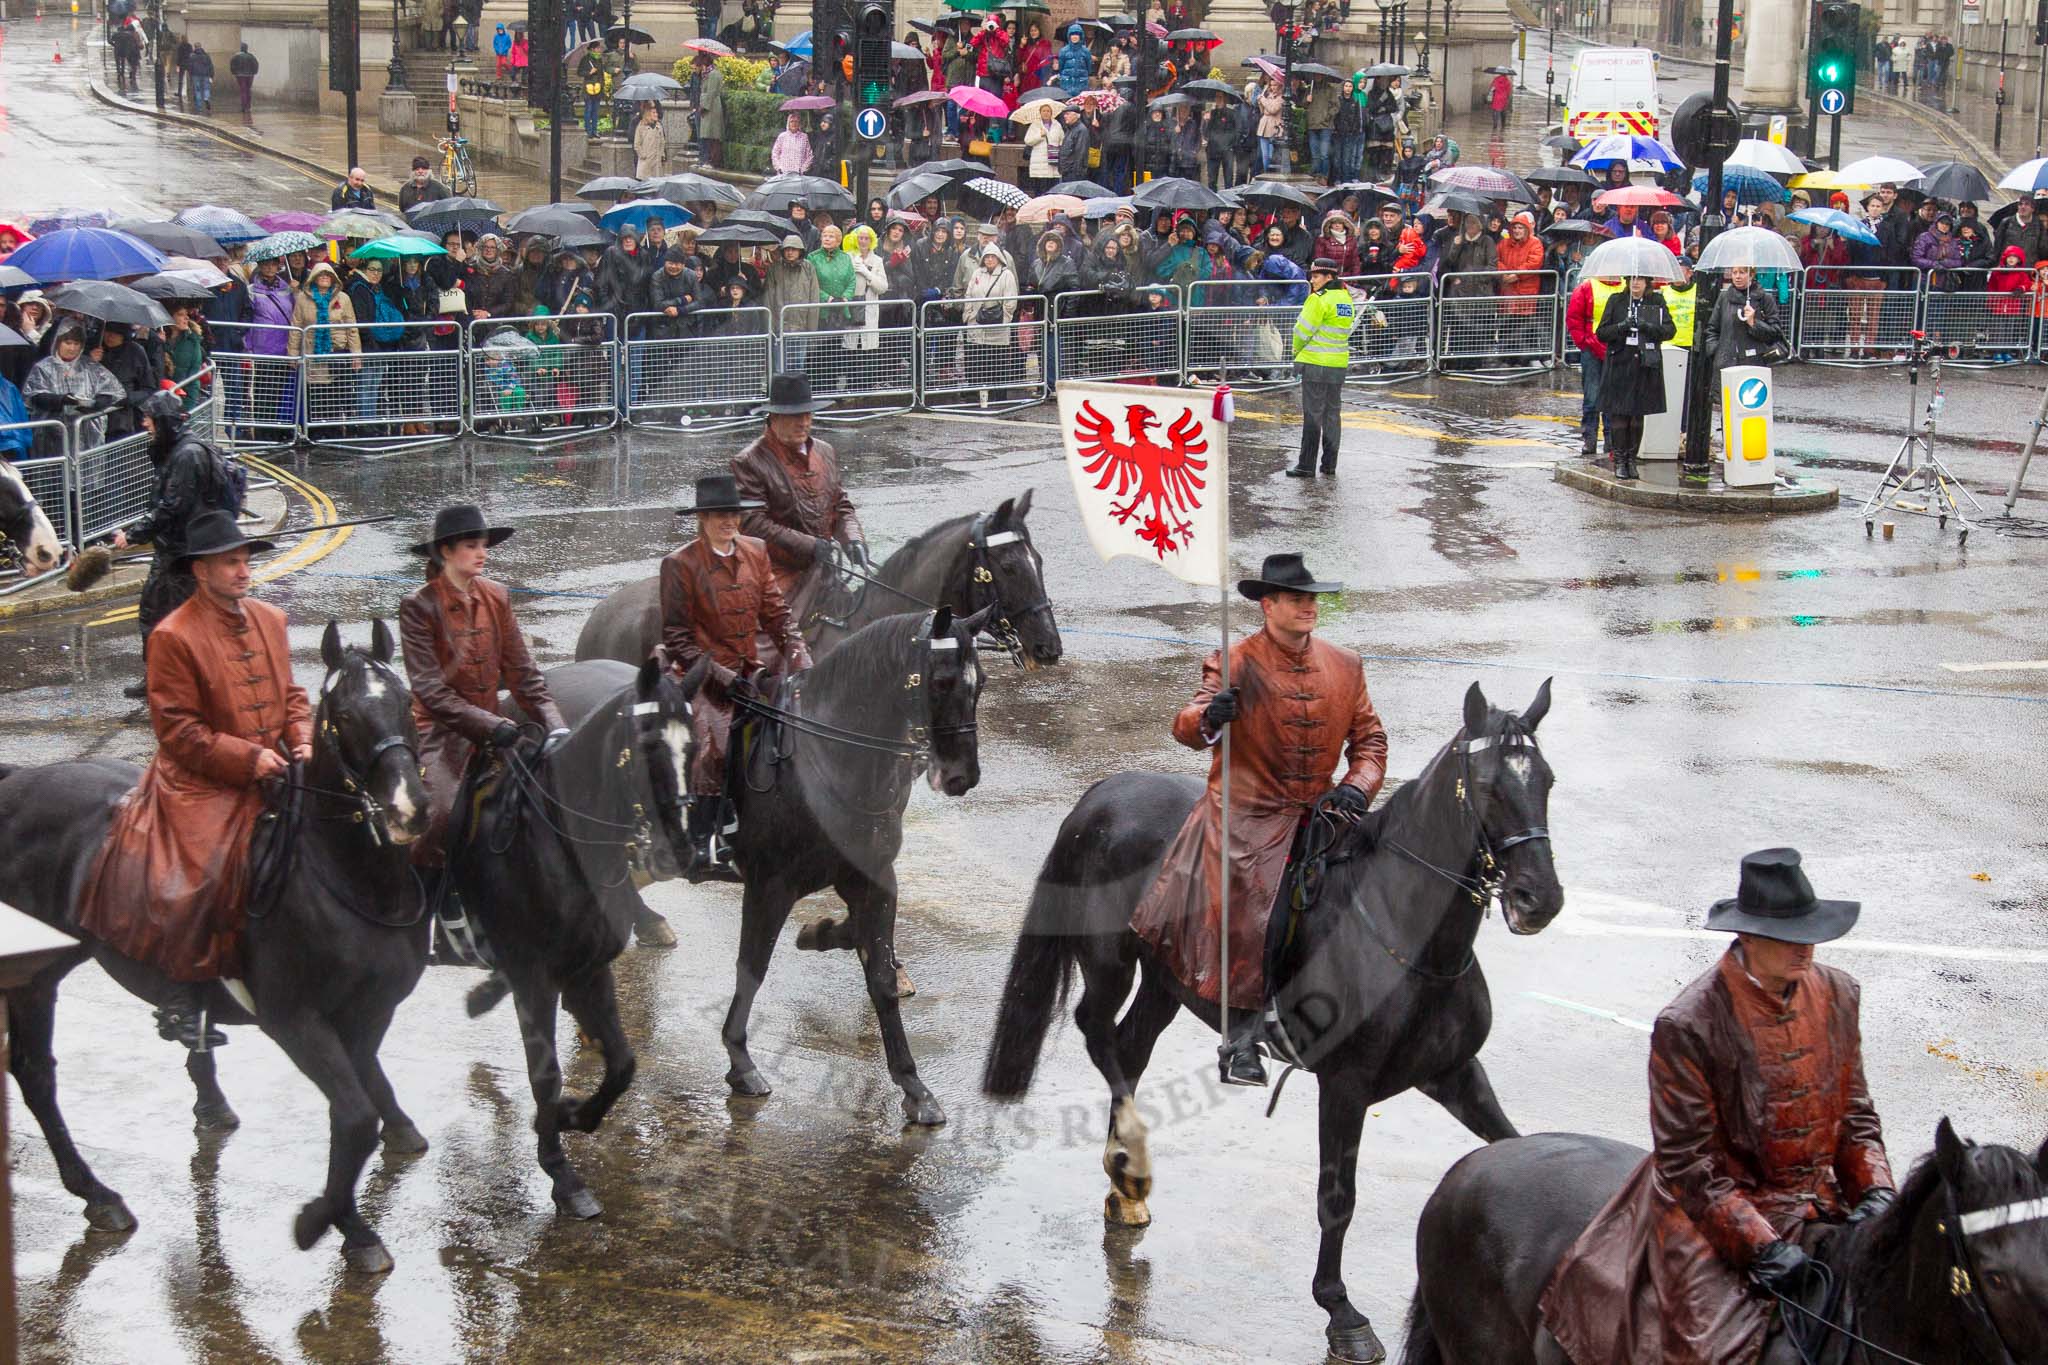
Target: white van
1612,90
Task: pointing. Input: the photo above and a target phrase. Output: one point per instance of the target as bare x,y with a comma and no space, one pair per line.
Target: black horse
821,805
550,879
327,964
27,530
965,564
1954,1273
1386,993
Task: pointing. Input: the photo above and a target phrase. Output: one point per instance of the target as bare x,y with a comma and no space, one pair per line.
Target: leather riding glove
1349,797
1221,710
1873,1203
506,735
555,740
861,558
741,688
822,548
1781,1266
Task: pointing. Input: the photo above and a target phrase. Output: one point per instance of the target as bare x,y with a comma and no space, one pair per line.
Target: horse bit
1000,627
355,779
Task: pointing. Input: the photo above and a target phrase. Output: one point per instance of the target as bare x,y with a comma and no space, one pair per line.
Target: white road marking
2015,666
1594,1010
1581,927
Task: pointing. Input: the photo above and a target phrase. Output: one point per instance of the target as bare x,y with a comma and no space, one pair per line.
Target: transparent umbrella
1755,247
1626,256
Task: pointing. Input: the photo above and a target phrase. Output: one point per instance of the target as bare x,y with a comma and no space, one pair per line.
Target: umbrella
1173,193
1574,227
1498,70
1881,170
1757,155
85,254
279,245
904,52
1385,69
1625,256
1369,196
1457,201
914,97
1837,222
1044,92
975,100
925,26
1561,142
1082,189
202,273
589,236
2026,177
641,36
361,224
954,167
1041,209
648,85
170,238
1027,112
1170,101
172,287
1755,247
687,187
1611,147
799,46
1560,176
1273,192
910,189
1104,100
608,187
1317,71
459,206
1270,65
1490,181
546,221
1009,196
225,226
813,192
774,222
1209,87
11,338
1955,181
1642,196
1022,5
67,218
640,212
10,278
394,246
1193,35
739,234
710,47
1106,208
109,302
291,220
1751,187
805,104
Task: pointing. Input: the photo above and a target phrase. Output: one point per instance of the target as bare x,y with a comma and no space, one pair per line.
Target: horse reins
636,848
1000,628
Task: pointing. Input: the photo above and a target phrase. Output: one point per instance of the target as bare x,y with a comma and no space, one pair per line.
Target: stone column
1772,53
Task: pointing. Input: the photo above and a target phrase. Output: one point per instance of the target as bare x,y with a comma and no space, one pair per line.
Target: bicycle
457,170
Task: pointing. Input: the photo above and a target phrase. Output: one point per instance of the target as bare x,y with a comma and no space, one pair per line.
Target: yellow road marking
1367,421
1544,417
309,551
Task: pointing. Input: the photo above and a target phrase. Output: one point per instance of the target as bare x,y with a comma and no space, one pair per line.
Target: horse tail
1041,974
1420,1347
7,770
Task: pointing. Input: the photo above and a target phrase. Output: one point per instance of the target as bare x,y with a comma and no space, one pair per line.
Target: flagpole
1223,411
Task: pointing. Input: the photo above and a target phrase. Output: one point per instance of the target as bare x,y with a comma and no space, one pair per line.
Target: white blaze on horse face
1517,763
676,735
400,804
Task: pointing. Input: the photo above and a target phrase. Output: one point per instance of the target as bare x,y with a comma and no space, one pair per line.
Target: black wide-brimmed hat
1283,573
215,533
1774,900
459,521
789,394
719,493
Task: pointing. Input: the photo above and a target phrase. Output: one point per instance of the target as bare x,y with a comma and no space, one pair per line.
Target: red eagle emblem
1163,481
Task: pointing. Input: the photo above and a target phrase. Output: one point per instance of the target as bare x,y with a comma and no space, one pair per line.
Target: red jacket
1579,321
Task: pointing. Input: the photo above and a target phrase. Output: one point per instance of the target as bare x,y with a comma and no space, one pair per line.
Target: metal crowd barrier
1485,333
115,483
1982,328
980,366
867,369
391,395
49,479
1096,336
1846,325
545,388
261,389
1238,335
706,371
1396,333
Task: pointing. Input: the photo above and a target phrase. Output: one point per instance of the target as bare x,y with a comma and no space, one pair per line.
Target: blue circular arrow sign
1831,101
871,123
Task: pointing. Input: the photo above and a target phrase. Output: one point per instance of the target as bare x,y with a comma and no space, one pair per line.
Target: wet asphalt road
1721,685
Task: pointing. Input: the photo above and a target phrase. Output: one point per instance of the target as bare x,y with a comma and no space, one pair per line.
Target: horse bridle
355,779
648,719
982,578
1485,887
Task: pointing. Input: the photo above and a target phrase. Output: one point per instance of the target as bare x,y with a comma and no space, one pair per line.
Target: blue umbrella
1626,147
1840,223
799,46
86,254
639,212
225,226
1751,187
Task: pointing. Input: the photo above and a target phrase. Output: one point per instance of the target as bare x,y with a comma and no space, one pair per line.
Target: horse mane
2003,1176
881,648
906,553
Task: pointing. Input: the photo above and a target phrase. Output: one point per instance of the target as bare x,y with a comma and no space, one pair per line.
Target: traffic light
2041,23
1835,40
873,34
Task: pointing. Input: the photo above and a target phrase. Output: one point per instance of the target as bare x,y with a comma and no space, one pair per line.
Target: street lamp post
396,71
1550,67
1694,460
1998,119
1422,51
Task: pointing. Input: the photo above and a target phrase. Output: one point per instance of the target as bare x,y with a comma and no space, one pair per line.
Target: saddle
274,842
756,752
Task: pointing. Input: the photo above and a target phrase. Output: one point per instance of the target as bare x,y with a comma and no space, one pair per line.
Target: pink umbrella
1270,68
917,97
799,104
1642,196
1157,30
1041,209
976,100
1105,100
292,220
710,47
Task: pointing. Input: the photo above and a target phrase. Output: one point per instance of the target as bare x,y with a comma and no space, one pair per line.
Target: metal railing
1237,334
868,370
535,382
1981,329
1495,324
1853,324
1396,333
706,370
261,389
982,353
49,479
1099,336
393,394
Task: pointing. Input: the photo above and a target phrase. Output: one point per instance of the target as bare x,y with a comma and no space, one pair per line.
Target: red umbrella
1642,196
976,100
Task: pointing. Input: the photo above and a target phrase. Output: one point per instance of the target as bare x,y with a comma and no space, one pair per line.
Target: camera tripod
1916,472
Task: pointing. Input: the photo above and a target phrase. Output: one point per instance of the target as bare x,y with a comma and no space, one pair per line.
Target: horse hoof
923,1113
819,936
403,1139
110,1215
369,1260
215,1118
904,987
747,1083
578,1203
1119,1211
312,1223
1356,1345
653,931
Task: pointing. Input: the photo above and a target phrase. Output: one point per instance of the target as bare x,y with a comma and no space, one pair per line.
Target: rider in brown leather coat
804,515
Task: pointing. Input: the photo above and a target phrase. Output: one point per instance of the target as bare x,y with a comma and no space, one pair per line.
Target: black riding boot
1237,1057
711,859
181,1018
458,939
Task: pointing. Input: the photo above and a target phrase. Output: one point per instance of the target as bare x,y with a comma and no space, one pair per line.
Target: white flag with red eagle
1151,470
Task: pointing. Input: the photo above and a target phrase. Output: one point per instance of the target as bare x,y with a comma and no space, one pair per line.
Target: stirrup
196,1032
465,947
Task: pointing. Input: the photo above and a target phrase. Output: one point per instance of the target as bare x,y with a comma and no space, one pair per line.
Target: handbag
989,315
454,301
983,147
